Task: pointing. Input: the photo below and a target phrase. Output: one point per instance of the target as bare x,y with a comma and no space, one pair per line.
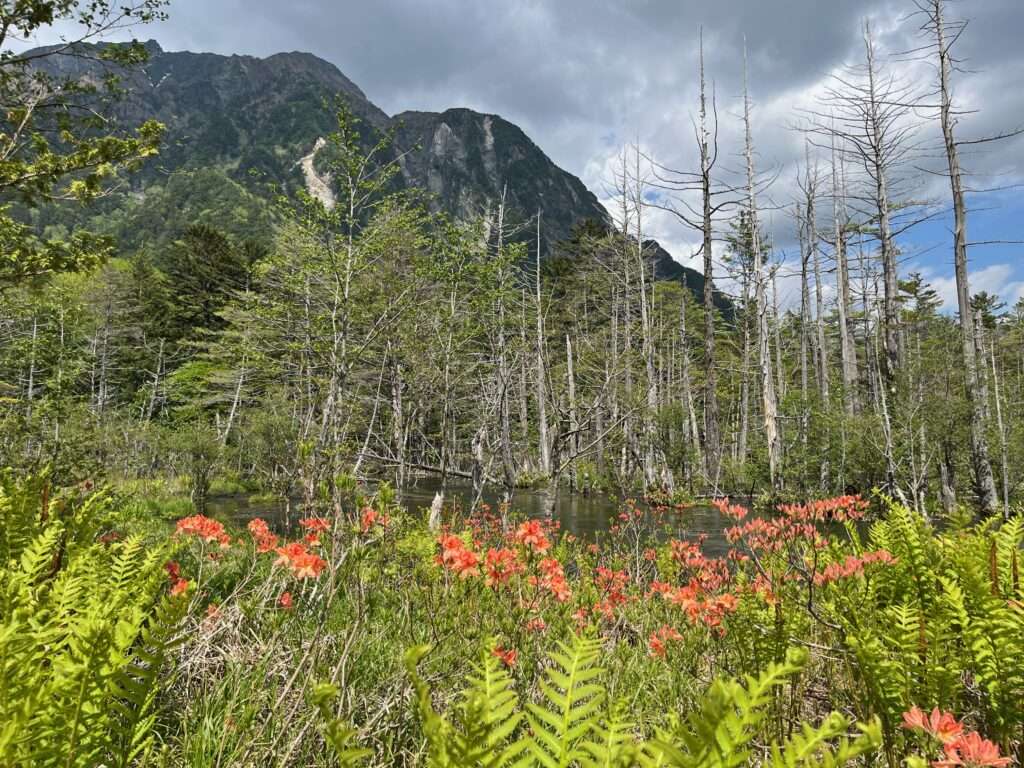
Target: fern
612,744
813,748
569,728
720,732
84,636
571,699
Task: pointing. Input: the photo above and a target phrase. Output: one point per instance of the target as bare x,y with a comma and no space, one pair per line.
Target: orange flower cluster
840,508
971,750
735,511
612,586
658,639
316,524
507,656
852,566
303,563
698,606
501,565
206,529
370,517
179,587
763,535
960,747
552,578
687,553
536,624
456,556
531,535
265,540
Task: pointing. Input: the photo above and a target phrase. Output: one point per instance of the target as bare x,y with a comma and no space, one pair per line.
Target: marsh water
586,516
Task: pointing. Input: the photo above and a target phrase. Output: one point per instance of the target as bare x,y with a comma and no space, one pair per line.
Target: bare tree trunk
574,426
769,406
646,341
524,379
398,432
504,375
687,386
744,415
541,374
983,480
712,430
777,333
890,305
805,323
847,348
235,400
1003,449
819,301
157,376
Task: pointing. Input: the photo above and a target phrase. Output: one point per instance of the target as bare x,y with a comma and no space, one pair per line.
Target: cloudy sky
585,77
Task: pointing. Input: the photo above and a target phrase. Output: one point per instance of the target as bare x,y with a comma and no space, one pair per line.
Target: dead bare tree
717,199
942,35
769,405
868,118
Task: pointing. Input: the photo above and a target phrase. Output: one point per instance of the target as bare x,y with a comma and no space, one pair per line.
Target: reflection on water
584,516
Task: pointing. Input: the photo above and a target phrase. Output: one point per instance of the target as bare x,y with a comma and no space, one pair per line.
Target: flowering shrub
886,616
959,747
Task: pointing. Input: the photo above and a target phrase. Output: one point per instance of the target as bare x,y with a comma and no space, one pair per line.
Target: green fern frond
571,703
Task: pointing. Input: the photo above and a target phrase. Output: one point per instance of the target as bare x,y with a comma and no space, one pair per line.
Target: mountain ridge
239,122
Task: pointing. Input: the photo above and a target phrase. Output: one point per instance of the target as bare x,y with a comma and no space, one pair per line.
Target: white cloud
1002,280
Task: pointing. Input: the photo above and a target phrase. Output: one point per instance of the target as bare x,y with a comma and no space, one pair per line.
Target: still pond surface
585,516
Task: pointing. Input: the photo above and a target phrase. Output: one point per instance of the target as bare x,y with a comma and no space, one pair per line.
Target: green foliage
85,633
569,725
947,611
338,734
51,148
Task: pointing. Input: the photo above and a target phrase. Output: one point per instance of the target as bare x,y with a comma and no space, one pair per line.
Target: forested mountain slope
241,127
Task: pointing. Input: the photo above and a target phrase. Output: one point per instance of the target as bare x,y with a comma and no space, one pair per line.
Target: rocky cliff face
466,160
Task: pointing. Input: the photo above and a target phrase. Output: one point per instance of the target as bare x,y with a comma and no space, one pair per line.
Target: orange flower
501,565
553,579
287,553
971,750
180,587
285,601
307,565
531,534
206,529
265,540
734,511
536,625
316,524
371,517
456,557
942,725
507,656
658,639
173,570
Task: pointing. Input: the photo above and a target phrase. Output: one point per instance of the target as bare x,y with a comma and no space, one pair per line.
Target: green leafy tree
56,142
